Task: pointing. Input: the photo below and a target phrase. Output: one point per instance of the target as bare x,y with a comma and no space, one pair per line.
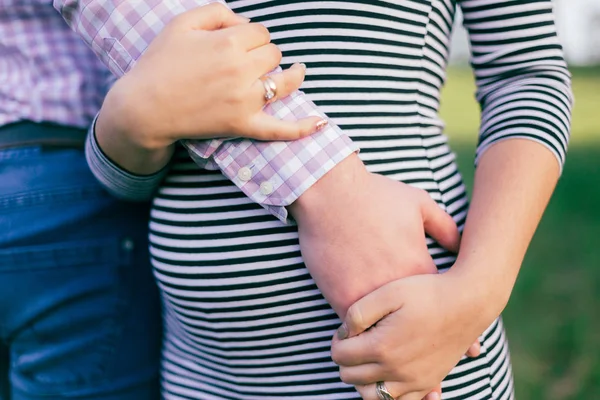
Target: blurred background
553,318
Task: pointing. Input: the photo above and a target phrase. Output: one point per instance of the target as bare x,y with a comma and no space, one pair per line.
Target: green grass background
553,318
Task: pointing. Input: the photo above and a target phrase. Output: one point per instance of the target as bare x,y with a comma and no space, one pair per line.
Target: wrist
120,144
487,294
126,114
338,185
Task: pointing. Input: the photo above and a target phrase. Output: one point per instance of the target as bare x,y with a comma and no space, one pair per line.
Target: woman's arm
175,91
513,183
416,340
525,96
199,78
524,89
120,32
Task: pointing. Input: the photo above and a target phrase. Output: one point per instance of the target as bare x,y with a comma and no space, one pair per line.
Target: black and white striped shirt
244,319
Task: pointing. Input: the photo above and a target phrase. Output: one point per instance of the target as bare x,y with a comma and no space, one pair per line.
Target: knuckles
237,39
276,54
380,351
227,41
261,30
346,376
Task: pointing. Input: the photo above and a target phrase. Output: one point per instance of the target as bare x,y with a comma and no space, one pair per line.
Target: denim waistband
27,133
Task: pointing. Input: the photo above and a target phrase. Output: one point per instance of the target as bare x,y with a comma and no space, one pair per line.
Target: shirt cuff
120,183
275,174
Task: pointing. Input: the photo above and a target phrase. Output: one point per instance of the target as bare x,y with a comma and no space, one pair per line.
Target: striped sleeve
118,182
523,84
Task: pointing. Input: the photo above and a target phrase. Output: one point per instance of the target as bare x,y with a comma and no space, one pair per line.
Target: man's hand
359,231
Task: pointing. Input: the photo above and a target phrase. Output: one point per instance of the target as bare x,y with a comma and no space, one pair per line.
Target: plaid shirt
274,174
46,72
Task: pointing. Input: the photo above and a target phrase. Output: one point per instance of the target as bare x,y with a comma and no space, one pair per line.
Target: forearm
116,180
138,157
513,184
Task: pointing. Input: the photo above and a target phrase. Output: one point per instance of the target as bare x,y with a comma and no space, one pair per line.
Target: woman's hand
349,258
411,333
200,78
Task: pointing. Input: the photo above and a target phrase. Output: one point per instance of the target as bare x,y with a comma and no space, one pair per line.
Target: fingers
263,60
267,127
371,308
435,394
398,390
353,344
353,352
247,36
287,82
474,350
210,17
362,375
439,225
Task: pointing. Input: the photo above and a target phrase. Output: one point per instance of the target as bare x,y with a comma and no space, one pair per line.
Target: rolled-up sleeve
117,181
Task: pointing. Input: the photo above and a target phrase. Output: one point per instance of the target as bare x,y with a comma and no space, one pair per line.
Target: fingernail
299,65
321,124
342,332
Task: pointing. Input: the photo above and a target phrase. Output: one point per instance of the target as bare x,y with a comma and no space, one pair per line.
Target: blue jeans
79,310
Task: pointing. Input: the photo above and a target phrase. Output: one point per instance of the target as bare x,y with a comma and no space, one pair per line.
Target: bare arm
525,96
513,183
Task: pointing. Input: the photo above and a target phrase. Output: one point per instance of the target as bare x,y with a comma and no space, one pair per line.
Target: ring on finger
270,89
382,392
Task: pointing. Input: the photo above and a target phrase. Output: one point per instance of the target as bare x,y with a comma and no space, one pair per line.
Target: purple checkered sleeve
273,174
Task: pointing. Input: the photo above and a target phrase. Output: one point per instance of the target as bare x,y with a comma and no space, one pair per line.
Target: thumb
367,311
210,17
439,225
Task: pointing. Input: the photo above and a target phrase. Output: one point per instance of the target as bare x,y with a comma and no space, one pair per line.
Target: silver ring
382,391
270,89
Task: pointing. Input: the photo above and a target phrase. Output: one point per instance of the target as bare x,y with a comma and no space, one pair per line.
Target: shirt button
245,174
266,188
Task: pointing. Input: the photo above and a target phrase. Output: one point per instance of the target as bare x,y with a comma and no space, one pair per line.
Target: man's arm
343,212
120,31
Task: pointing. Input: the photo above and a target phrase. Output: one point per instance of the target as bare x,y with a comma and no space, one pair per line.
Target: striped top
390,57
244,319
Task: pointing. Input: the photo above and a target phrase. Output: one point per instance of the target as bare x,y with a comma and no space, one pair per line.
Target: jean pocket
69,304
